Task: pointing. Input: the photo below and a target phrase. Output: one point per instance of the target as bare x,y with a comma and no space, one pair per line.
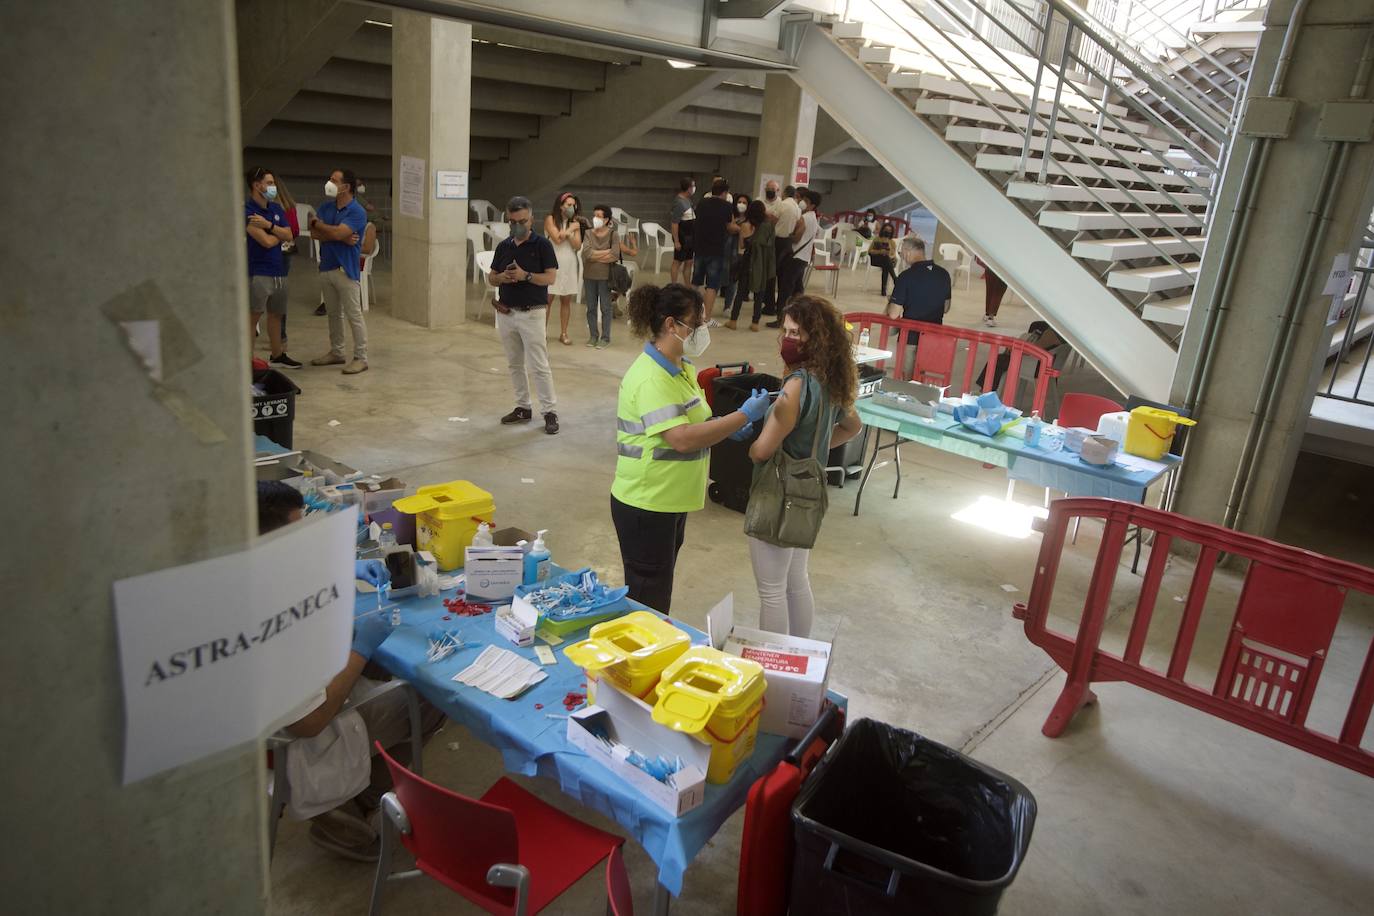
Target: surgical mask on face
569,209
270,192
791,351
331,189
770,193
695,343
597,222
741,207
870,220
518,231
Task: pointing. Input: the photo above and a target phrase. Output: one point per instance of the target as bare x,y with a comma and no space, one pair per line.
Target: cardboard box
517,622
493,573
630,722
797,670
378,494
509,537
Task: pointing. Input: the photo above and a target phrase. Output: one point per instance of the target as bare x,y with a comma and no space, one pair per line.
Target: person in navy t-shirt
922,291
339,224
268,229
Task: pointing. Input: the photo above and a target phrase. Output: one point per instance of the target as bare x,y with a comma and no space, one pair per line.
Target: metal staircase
1011,123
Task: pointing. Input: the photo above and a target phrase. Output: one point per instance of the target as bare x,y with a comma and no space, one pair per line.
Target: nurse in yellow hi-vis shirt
664,432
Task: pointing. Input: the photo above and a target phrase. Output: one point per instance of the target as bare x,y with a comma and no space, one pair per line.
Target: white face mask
331,189
695,343
741,207
597,222
270,192
362,189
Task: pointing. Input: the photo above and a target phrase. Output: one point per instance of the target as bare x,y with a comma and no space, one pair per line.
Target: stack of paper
501,673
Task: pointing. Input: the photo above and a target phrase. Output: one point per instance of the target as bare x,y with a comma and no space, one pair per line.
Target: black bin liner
892,822
731,471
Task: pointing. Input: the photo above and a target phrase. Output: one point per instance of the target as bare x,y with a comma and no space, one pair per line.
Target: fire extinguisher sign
803,172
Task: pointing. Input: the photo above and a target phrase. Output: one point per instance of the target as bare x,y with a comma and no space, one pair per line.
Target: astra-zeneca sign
214,653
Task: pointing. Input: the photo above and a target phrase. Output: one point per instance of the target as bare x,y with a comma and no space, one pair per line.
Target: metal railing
1355,328
1096,134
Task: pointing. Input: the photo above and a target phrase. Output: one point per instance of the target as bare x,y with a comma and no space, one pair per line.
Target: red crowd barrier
940,344
1288,610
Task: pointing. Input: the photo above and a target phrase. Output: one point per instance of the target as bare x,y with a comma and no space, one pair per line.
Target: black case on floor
731,470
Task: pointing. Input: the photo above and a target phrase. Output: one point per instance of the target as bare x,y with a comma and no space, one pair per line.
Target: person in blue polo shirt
267,228
339,224
922,291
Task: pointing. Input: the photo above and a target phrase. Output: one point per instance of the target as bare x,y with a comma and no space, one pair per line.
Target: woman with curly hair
820,387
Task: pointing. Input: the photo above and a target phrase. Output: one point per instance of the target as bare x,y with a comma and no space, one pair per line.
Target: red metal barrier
940,344
1286,616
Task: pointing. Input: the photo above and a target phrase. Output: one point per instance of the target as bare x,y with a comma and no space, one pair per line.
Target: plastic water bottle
863,337
388,536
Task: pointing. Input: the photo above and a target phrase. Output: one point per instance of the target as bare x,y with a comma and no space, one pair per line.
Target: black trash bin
731,471
851,454
892,822
275,411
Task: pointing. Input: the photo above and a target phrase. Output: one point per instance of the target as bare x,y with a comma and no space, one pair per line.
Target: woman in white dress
563,227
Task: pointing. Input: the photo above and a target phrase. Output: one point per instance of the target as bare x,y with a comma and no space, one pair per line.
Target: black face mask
770,194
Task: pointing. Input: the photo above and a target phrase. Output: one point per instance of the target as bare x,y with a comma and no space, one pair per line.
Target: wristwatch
527,276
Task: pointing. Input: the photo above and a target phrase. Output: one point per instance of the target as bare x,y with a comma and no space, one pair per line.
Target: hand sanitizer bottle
1033,426
537,560
483,536
863,337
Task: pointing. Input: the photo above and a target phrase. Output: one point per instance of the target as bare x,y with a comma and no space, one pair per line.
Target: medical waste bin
731,471
446,518
274,411
630,652
892,822
717,697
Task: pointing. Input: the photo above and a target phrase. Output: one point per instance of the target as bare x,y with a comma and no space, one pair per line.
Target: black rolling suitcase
731,470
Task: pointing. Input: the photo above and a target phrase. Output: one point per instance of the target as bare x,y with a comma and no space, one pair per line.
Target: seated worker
346,826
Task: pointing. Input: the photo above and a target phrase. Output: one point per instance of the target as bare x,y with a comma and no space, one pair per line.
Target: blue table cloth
1062,470
533,744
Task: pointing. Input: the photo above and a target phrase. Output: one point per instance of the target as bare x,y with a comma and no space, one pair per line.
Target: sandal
563,339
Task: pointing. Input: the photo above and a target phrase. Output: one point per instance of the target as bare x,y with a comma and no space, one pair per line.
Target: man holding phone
524,267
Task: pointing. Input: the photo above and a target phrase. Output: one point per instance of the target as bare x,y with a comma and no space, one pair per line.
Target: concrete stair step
1018,99
1168,311
1002,162
1153,279
1130,248
1100,221
976,111
1080,148
1030,190
956,66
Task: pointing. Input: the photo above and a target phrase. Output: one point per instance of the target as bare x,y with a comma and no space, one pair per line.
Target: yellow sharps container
1150,431
630,652
716,697
446,518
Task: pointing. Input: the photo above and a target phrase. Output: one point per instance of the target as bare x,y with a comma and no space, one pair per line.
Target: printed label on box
776,661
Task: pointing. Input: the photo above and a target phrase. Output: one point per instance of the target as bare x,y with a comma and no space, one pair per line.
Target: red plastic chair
618,899
507,852
1078,409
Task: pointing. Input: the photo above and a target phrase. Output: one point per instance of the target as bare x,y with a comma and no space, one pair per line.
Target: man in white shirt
784,214
792,268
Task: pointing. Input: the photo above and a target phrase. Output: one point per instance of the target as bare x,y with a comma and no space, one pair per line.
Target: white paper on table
214,653
1136,463
501,673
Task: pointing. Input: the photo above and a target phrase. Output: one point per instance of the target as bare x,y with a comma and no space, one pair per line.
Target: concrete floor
1145,806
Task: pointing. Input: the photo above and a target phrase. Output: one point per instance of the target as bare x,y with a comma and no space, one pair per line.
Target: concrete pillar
114,472
431,92
1326,56
786,130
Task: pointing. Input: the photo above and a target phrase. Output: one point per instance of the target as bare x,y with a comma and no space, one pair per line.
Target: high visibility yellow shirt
655,396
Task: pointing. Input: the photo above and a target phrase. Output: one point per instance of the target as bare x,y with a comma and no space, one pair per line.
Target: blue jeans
597,294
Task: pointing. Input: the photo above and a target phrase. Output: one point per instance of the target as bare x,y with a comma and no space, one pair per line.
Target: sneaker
731,324
602,344
286,362
329,359
591,342
321,310
990,321
551,423
345,834
518,415
356,366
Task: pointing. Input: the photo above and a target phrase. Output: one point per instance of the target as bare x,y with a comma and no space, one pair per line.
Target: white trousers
523,335
785,602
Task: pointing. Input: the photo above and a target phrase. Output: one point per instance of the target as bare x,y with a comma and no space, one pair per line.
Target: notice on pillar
214,653
803,172
450,185
411,193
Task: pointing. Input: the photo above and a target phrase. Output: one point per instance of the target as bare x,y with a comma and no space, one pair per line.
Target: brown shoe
731,324
754,326
329,359
353,368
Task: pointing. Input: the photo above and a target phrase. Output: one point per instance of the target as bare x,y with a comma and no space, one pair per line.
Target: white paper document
411,193
214,653
501,673
450,184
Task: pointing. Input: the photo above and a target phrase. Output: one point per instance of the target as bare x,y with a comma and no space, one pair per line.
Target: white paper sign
1338,281
412,187
450,185
214,653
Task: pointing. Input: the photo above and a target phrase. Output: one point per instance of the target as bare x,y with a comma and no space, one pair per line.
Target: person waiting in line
268,230
600,248
994,288
714,225
758,263
784,212
680,221
733,254
880,255
664,433
819,388
343,826
339,224
563,227
922,291
288,204
801,245
524,266
868,225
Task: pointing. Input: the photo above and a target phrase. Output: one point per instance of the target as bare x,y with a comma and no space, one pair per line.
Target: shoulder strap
821,412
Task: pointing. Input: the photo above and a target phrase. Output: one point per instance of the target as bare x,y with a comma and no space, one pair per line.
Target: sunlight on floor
1001,516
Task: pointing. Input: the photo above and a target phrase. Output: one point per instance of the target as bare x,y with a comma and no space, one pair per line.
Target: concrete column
786,130
113,471
431,92
1326,56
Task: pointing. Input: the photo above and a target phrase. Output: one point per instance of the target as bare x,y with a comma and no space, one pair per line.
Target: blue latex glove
743,433
373,572
370,631
757,406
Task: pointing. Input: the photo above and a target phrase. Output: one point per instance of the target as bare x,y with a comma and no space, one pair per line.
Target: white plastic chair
303,214
480,238
500,230
962,260
658,242
629,225
486,210
483,261
823,251
365,275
